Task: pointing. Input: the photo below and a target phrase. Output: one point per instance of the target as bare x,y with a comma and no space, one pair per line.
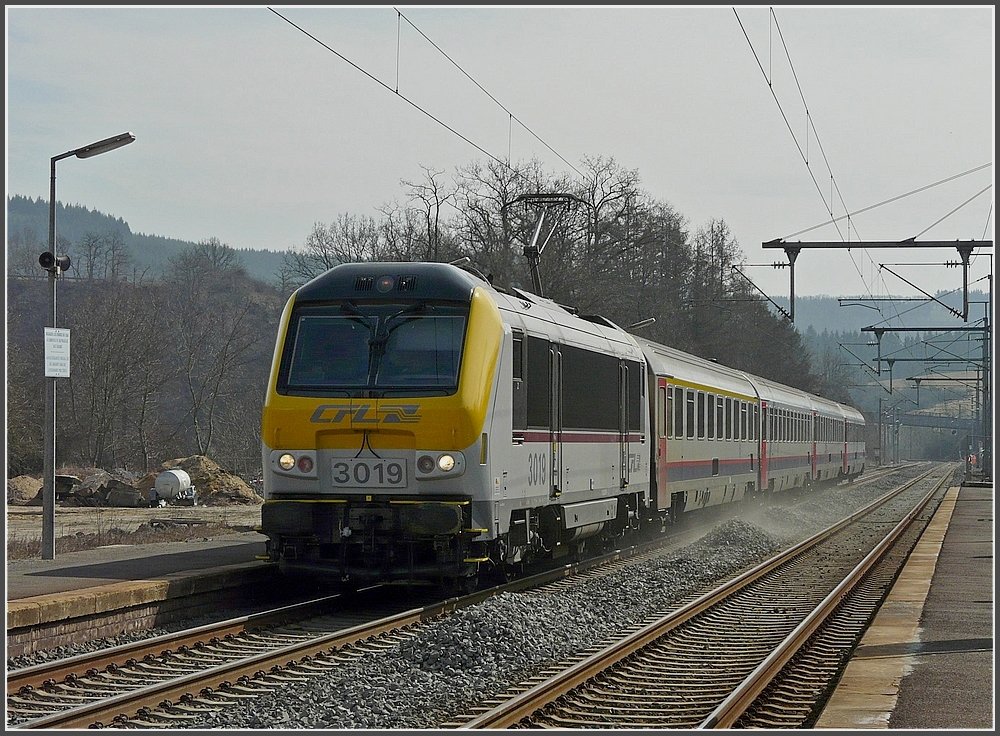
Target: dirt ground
25,522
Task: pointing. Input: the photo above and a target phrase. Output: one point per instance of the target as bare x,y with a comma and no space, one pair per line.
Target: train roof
538,314
544,317
414,280
670,361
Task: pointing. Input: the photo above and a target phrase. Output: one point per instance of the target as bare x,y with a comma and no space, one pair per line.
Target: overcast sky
250,131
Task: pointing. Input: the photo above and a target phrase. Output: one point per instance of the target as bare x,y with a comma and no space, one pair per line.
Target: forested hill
28,231
27,228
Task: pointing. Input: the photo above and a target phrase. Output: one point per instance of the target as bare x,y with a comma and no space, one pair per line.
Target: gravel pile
456,662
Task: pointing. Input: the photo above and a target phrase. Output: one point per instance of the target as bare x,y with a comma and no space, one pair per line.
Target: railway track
98,688
760,651
175,679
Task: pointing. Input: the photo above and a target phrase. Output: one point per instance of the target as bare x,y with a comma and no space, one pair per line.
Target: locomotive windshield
374,349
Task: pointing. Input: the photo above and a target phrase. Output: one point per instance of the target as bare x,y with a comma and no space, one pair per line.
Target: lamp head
108,144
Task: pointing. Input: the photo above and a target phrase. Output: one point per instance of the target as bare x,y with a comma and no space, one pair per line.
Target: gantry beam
964,247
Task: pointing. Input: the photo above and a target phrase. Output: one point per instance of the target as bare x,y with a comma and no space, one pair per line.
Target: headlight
438,465
296,463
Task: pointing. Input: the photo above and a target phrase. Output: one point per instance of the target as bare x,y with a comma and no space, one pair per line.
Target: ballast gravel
456,662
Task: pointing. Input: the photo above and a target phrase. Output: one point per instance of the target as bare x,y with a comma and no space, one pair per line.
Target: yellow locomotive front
373,435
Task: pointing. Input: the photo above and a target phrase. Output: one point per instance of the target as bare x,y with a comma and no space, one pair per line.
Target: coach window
701,415
743,420
635,387
729,418
669,409
711,416
720,418
756,421
689,423
678,412
662,415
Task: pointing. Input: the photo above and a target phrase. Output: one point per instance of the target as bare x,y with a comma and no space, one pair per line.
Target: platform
926,660
106,579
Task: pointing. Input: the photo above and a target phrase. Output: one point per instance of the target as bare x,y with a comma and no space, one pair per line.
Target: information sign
56,352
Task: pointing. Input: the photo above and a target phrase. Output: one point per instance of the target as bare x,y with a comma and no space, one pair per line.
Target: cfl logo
364,414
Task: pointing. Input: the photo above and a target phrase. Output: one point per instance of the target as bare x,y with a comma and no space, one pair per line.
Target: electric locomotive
420,423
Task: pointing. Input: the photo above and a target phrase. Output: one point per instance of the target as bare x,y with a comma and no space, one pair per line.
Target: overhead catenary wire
505,163
970,199
811,125
511,116
895,199
833,180
795,140
410,102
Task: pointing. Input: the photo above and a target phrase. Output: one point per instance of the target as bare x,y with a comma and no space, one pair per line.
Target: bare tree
212,308
431,196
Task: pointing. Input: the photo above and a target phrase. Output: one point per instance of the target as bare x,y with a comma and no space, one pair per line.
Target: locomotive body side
571,459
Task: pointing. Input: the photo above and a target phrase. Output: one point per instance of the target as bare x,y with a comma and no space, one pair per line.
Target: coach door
766,435
664,415
812,446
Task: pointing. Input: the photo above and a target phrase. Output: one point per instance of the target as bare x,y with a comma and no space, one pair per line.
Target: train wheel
465,585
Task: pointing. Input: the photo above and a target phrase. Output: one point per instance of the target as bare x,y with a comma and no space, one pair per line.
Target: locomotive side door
555,421
623,423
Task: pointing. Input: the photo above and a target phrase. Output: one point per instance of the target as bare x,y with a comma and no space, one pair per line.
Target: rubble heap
119,488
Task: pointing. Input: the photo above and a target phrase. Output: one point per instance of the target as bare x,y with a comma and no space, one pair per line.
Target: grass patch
26,549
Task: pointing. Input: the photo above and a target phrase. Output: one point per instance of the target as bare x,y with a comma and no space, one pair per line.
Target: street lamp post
55,265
